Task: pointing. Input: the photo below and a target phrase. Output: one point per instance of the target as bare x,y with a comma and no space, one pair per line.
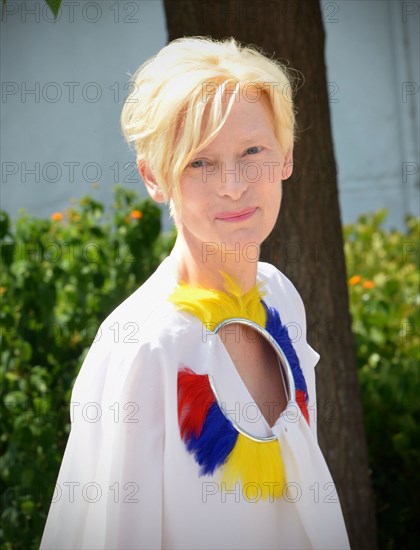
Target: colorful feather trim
281,335
209,435
214,306
214,441
256,464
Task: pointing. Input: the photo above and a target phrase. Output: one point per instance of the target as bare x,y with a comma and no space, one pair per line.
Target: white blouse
127,480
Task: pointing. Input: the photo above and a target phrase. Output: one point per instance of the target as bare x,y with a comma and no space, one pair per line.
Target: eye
194,165
254,147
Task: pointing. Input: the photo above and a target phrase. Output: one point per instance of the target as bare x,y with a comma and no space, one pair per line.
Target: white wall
95,47
372,49
372,53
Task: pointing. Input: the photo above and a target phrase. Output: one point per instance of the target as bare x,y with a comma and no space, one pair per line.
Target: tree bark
306,243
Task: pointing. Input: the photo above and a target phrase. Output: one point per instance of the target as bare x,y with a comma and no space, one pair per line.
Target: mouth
236,216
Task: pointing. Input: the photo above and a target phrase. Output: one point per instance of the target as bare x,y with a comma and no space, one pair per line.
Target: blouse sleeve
308,358
109,488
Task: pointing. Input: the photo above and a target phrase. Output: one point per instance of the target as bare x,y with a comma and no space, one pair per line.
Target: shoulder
280,290
147,313
284,296
273,275
139,336
148,298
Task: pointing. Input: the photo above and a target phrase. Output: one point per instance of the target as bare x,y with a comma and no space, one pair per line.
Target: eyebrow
249,139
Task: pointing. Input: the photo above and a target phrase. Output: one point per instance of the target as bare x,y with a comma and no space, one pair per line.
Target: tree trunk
306,243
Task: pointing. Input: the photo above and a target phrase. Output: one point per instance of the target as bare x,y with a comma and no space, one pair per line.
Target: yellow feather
258,465
213,306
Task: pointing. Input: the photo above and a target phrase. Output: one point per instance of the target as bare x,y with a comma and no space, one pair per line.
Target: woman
193,416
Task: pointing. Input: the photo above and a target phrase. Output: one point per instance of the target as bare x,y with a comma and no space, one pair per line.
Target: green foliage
60,279
383,266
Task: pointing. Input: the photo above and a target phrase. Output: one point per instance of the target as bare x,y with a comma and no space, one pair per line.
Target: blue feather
216,441
280,333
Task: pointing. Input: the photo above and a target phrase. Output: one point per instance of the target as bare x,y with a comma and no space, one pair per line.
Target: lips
236,216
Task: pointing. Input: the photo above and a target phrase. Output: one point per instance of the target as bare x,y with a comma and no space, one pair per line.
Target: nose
233,181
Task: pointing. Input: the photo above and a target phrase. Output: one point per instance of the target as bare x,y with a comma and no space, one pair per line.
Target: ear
151,184
288,164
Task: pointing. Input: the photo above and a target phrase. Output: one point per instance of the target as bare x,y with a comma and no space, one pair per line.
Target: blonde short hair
162,115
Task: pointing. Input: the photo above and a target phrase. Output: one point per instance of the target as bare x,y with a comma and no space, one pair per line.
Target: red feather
195,397
300,400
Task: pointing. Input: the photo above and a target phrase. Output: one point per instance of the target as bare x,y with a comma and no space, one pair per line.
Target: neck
201,265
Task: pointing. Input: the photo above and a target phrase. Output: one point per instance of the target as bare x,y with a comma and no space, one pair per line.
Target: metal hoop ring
284,366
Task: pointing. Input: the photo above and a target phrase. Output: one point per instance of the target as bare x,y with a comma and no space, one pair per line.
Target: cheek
276,198
276,207
195,200
274,191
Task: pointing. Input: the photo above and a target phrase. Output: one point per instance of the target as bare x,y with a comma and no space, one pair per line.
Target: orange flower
368,284
136,215
57,216
2,289
355,280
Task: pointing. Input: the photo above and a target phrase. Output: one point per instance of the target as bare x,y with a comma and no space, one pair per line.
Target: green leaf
54,6
4,224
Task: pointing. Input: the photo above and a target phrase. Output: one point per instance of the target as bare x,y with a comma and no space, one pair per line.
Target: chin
243,242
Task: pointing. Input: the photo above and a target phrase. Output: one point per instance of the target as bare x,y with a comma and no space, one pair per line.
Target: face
231,190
